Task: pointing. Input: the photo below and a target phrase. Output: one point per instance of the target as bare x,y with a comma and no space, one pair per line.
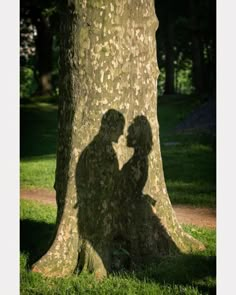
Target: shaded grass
172,109
183,274
37,225
190,172
190,165
38,129
188,162
39,100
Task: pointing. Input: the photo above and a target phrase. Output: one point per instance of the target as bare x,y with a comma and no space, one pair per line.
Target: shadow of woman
96,175
140,229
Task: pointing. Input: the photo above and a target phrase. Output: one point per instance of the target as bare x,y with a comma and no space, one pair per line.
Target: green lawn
38,171
38,137
183,274
190,172
189,166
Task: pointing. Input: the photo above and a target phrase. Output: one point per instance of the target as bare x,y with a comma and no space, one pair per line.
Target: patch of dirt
44,196
202,217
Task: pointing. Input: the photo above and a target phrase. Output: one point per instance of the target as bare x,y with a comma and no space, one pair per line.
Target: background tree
186,46
167,14
203,32
108,64
40,17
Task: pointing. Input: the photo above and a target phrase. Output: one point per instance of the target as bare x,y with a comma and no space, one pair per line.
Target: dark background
186,47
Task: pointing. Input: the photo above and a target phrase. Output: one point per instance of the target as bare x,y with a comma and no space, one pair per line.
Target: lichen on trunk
112,199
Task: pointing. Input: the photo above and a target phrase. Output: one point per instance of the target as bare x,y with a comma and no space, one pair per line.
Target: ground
202,119
202,217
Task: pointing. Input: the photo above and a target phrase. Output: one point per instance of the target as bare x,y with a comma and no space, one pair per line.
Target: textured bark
197,50
43,44
111,192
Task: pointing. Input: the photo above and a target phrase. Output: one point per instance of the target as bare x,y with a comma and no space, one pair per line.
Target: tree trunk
111,192
197,50
43,44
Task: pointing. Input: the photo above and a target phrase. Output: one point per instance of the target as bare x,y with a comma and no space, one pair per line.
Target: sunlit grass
38,172
36,211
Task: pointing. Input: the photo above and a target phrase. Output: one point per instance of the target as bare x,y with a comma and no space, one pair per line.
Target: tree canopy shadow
183,269
38,130
35,238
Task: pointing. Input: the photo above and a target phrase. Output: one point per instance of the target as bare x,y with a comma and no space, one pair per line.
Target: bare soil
202,217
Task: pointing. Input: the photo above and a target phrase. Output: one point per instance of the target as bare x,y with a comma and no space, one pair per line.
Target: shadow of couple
110,200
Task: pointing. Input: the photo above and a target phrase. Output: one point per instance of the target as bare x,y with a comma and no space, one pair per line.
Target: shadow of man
96,175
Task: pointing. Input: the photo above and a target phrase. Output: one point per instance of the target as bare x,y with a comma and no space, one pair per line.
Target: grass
38,135
189,166
183,274
190,171
38,129
38,171
172,109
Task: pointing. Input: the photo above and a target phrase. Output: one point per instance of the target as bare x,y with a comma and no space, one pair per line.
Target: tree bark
43,44
197,50
44,56
111,192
